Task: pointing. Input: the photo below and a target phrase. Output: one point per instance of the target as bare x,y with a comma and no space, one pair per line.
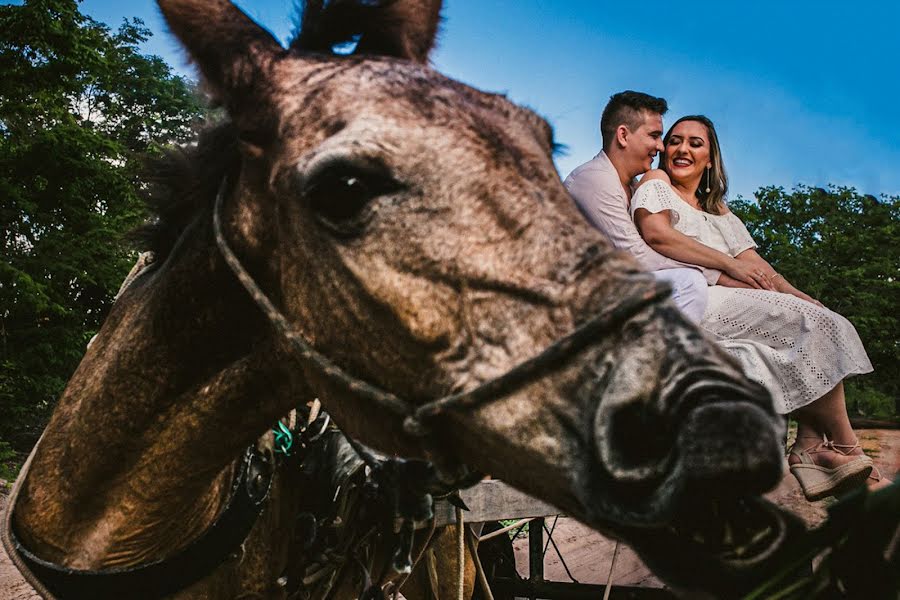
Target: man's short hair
628,108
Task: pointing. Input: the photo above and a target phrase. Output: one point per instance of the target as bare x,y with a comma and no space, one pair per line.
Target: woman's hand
807,297
750,274
784,286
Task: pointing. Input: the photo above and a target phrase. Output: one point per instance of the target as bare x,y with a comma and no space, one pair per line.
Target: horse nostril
639,437
703,430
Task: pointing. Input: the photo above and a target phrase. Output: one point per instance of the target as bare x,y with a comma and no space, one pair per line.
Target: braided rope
303,348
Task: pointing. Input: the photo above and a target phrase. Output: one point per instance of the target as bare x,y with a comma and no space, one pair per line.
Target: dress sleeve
655,196
736,235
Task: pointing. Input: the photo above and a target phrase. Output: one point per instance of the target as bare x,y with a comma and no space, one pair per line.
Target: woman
783,338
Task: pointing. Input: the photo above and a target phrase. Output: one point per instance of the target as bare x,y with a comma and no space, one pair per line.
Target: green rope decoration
284,439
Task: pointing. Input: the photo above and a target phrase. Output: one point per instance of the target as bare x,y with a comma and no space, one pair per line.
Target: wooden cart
493,500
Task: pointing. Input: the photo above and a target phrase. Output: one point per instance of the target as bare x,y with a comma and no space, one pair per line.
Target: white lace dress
798,350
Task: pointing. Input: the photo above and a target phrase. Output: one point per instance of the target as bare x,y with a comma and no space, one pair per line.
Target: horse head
414,231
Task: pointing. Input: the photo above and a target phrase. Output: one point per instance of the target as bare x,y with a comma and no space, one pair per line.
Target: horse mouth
673,422
680,468
740,544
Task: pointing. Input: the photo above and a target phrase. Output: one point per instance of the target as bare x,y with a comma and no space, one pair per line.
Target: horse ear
400,28
228,46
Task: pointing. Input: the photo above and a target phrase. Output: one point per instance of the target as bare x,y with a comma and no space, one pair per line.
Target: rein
417,417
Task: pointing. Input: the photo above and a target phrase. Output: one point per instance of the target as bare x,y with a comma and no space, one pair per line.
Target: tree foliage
80,108
843,248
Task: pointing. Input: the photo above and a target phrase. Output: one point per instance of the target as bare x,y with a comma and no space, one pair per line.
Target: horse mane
182,183
399,28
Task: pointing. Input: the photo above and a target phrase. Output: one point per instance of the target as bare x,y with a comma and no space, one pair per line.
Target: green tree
80,108
843,248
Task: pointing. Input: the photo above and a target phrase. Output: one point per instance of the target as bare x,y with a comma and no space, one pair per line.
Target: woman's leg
828,417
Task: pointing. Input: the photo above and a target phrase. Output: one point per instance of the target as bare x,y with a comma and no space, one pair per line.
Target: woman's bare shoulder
655,174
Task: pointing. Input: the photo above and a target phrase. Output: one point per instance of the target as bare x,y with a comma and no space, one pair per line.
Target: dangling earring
708,169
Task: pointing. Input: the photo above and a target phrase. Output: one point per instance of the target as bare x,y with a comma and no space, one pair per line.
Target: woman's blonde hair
714,201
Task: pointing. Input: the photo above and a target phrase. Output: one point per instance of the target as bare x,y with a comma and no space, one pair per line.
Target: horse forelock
183,183
402,28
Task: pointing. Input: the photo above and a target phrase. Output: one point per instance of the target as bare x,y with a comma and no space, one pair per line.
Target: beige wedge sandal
818,482
876,480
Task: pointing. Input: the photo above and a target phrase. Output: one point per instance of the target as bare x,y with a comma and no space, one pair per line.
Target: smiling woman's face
687,151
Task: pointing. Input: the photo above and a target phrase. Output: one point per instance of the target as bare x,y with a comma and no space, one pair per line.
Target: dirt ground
586,553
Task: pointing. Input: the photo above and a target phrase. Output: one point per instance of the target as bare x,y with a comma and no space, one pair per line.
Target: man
632,131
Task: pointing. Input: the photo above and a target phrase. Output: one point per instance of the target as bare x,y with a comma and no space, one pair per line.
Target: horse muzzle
674,419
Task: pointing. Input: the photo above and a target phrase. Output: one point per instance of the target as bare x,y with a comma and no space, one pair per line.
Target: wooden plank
587,556
864,423
492,500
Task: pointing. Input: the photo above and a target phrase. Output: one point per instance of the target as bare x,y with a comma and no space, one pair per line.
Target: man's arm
605,206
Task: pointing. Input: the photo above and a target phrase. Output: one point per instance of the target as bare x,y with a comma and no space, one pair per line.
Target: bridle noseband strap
417,417
157,579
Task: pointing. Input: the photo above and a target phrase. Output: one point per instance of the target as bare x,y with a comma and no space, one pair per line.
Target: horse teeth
761,535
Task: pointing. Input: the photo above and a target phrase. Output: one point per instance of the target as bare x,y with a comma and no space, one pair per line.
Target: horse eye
340,197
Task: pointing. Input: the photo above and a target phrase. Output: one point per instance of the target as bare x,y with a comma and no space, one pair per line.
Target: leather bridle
249,492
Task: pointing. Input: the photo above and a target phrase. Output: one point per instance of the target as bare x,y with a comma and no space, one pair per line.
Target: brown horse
414,231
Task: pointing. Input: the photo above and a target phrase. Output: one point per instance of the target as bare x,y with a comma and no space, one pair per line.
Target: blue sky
801,91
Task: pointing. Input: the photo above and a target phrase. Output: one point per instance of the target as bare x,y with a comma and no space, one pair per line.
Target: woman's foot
876,480
824,453
827,469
